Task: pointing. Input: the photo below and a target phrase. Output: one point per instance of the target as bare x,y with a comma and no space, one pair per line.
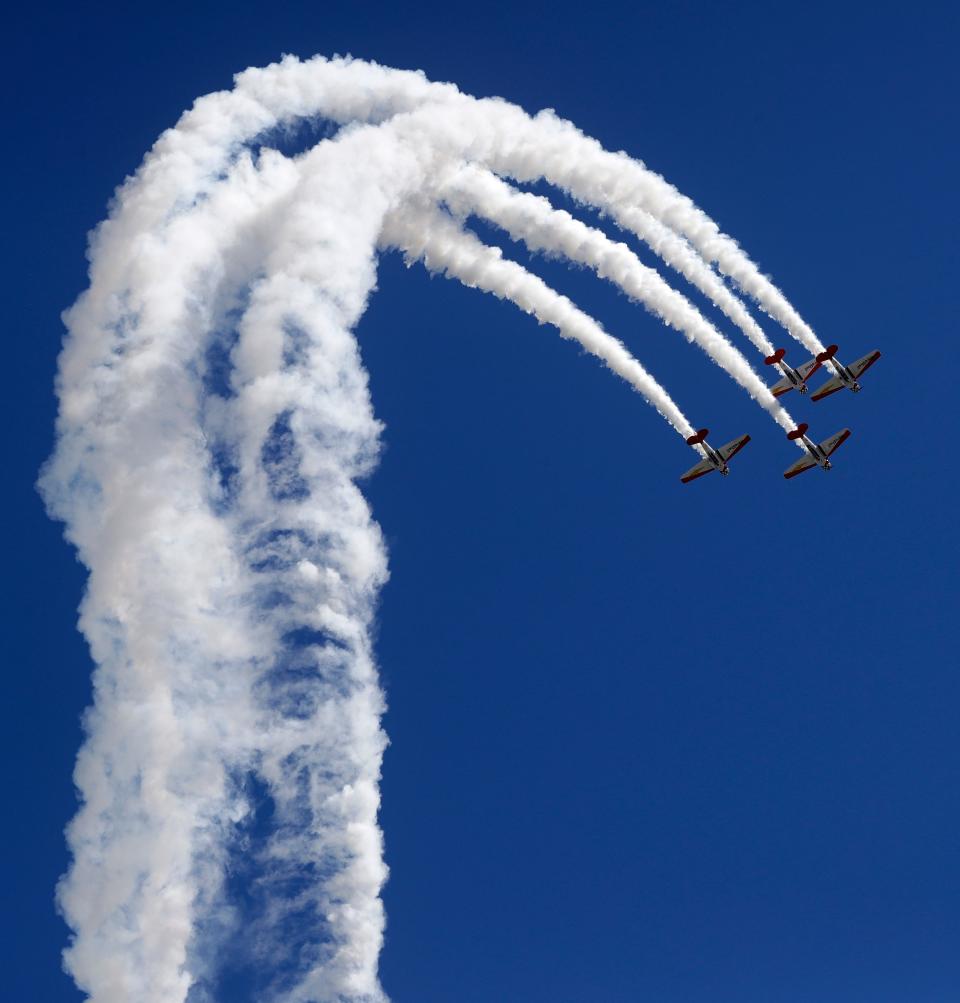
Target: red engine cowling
695,440
772,360
828,353
801,429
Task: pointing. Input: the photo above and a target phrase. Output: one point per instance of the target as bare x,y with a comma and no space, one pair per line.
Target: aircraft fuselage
793,376
816,453
715,458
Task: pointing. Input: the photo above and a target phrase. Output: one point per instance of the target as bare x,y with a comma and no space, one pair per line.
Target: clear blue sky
649,743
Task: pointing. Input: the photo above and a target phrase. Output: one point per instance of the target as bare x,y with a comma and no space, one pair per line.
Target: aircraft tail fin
798,432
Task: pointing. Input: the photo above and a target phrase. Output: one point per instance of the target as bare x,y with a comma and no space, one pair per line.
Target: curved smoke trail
533,220
214,421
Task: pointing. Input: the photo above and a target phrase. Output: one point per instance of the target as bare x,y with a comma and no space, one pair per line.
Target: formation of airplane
818,453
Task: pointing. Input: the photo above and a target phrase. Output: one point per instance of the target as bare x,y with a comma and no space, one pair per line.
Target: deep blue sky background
649,742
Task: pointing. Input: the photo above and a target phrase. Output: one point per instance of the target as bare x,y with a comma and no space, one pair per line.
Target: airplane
818,454
792,378
847,376
715,459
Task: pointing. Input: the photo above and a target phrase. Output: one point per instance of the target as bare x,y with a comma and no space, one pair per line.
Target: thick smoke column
214,422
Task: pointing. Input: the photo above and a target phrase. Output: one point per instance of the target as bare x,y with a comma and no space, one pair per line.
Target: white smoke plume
667,244
443,246
214,422
681,256
533,220
620,186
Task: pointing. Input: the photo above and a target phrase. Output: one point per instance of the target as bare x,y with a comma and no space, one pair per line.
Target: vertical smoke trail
234,568
299,431
130,478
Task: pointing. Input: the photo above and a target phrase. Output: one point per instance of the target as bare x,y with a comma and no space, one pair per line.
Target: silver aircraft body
713,459
846,376
793,379
818,454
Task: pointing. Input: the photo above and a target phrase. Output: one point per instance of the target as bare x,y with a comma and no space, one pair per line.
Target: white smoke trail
345,90
434,238
667,244
619,185
214,419
233,571
720,249
680,255
504,139
533,220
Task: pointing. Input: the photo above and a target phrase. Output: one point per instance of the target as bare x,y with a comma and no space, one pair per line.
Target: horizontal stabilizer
799,431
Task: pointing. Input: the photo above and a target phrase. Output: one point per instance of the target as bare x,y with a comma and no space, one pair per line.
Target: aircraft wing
732,448
806,463
862,365
778,389
808,369
830,387
703,467
832,444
